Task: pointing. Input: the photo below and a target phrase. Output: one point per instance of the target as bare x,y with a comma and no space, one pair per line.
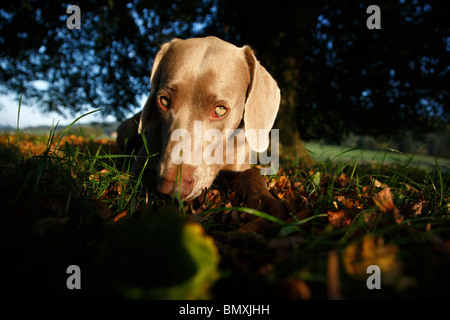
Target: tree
376,81
105,64
279,31
336,75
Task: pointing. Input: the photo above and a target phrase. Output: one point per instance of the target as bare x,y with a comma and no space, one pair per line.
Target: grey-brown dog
220,86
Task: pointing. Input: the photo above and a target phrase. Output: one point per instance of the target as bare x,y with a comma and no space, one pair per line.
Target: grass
322,152
75,200
401,165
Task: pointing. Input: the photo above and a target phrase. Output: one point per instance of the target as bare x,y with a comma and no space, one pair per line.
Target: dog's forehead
209,58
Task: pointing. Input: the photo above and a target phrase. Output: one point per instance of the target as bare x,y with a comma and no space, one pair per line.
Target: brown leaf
384,202
340,218
349,203
343,181
373,251
413,209
357,256
271,184
298,185
288,195
213,199
378,184
281,182
120,215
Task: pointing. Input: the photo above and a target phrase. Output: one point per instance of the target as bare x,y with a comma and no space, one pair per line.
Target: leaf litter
339,223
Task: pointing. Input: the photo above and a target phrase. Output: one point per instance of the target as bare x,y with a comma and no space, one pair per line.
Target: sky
33,116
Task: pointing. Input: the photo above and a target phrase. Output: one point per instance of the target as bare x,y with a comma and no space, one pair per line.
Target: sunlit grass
333,206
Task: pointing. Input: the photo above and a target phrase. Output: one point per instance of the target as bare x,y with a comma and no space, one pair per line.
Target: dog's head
202,90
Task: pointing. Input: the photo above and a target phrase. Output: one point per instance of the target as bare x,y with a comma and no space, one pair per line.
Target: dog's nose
168,186
172,181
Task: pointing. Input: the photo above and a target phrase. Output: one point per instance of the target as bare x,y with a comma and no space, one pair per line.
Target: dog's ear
149,113
263,101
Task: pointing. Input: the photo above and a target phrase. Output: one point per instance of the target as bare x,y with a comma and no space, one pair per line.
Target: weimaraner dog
197,85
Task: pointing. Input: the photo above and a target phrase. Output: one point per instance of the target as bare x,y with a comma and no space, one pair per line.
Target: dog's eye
220,111
164,102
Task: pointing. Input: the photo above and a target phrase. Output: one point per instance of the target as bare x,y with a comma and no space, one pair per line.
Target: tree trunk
290,140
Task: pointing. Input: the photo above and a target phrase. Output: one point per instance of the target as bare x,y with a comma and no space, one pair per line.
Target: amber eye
164,102
220,111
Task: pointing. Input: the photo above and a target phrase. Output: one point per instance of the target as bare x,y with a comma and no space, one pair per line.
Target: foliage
336,75
105,64
383,82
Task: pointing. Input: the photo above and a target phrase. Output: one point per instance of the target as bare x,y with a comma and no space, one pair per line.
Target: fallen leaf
409,187
120,215
287,195
413,209
213,199
349,203
358,256
373,251
384,202
340,218
271,184
281,182
298,185
378,184
342,181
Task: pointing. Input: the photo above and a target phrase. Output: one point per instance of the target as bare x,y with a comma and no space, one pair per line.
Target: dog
213,85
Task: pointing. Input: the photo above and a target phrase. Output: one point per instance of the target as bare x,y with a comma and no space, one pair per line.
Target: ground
69,200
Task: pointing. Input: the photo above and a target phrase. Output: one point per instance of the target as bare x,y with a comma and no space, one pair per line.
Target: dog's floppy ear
263,101
149,113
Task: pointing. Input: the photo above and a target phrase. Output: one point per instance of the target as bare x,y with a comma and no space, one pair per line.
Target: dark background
339,80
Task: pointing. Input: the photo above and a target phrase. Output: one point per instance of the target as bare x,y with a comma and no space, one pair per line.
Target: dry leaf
350,203
343,181
281,182
413,209
373,251
298,185
120,215
213,199
384,202
378,184
272,184
288,195
340,218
